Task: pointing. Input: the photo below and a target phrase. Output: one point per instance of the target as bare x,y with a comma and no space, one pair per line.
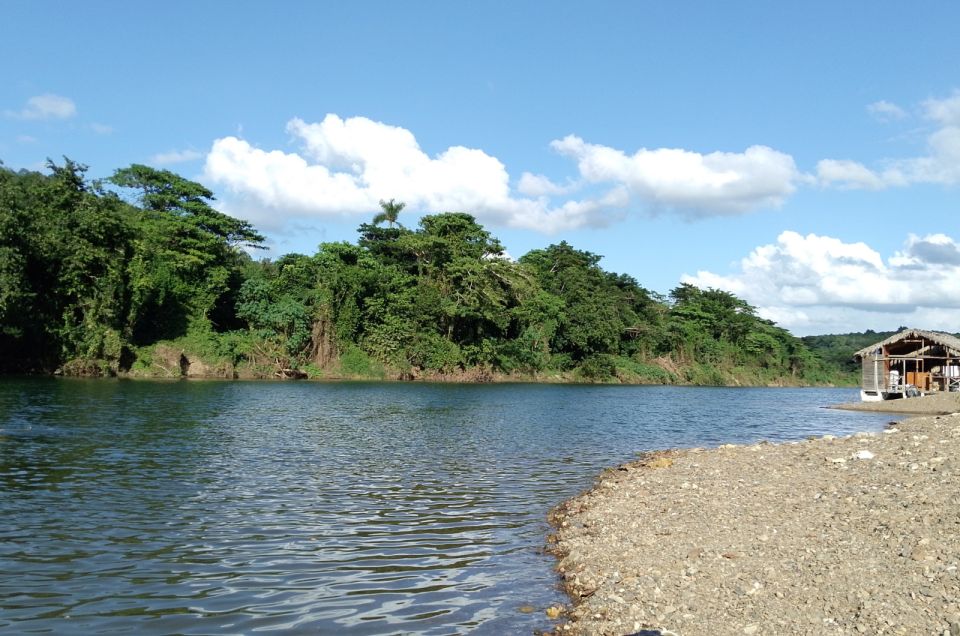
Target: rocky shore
855,535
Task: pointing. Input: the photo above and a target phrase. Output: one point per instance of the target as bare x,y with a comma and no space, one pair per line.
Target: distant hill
837,349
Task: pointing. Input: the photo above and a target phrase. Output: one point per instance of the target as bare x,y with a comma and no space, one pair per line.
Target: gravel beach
854,535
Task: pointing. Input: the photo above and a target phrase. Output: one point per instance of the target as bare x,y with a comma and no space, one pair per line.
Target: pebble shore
853,535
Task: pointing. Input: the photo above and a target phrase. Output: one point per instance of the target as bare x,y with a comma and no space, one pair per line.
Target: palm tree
391,210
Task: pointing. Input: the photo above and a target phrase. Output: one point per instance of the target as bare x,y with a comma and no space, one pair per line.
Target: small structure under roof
911,362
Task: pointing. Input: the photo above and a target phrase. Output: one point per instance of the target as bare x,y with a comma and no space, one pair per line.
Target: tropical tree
187,256
390,211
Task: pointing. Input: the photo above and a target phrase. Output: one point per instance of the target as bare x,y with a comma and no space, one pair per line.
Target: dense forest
837,349
139,275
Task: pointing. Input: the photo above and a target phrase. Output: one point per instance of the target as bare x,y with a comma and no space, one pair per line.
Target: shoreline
469,377
851,535
931,404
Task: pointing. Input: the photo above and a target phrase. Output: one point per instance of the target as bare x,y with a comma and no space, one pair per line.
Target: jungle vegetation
139,274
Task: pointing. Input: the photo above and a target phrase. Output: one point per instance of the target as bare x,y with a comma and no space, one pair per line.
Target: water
348,508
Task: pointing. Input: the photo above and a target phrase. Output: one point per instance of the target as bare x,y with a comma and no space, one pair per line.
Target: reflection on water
226,507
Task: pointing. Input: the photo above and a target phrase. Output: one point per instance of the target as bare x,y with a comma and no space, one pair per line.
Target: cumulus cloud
175,156
46,106
931,250
345,166
885,111
820,284
940,165
693,184
849,175
537,185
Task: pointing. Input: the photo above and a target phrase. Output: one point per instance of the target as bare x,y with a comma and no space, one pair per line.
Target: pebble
737,542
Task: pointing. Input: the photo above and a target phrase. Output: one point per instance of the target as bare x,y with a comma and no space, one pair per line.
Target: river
325,508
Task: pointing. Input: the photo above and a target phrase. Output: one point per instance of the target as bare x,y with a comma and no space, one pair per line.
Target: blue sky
805,156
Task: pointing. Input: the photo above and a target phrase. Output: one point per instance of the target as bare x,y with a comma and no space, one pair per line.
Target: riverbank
933,404
173,360
856,535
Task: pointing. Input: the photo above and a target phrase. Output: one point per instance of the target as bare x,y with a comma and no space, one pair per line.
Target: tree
62,276
592,321
165,192
90,277
390,211
187,255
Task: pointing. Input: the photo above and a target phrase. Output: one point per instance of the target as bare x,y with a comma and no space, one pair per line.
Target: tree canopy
98,275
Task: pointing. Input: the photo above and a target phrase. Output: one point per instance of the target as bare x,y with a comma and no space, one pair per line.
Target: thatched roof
951,343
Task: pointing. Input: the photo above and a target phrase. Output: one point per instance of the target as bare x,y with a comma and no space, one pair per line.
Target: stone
778,542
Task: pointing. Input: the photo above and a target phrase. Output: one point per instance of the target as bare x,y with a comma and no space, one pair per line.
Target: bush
705,375
634,370
597,367
435,353
354,362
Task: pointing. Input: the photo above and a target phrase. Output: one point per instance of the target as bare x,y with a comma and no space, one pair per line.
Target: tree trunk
324,348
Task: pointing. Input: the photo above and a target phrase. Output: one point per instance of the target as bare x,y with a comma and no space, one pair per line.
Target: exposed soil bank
858,535
174,359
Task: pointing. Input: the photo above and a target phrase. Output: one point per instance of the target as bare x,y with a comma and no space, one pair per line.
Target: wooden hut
911,362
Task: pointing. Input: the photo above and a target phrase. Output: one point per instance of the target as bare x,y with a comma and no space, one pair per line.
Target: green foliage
391,210
601,313
600,366
186,256
643,372
135,277
356,363
202,230
704,375
85,275
837,349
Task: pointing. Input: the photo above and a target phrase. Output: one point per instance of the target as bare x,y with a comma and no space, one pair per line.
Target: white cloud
47,106
537,185
885,111
693,184
940,165
175,156
819,284
345,166
931,250
848,175
944,111
101,129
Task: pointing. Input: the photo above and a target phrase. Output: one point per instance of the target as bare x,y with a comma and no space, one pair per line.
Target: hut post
903,377
876,375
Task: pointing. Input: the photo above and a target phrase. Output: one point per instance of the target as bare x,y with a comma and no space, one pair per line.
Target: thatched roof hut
913,361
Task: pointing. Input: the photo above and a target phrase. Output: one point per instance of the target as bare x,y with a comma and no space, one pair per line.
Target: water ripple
215,507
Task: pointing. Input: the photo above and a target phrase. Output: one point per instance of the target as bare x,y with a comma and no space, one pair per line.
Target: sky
804,156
